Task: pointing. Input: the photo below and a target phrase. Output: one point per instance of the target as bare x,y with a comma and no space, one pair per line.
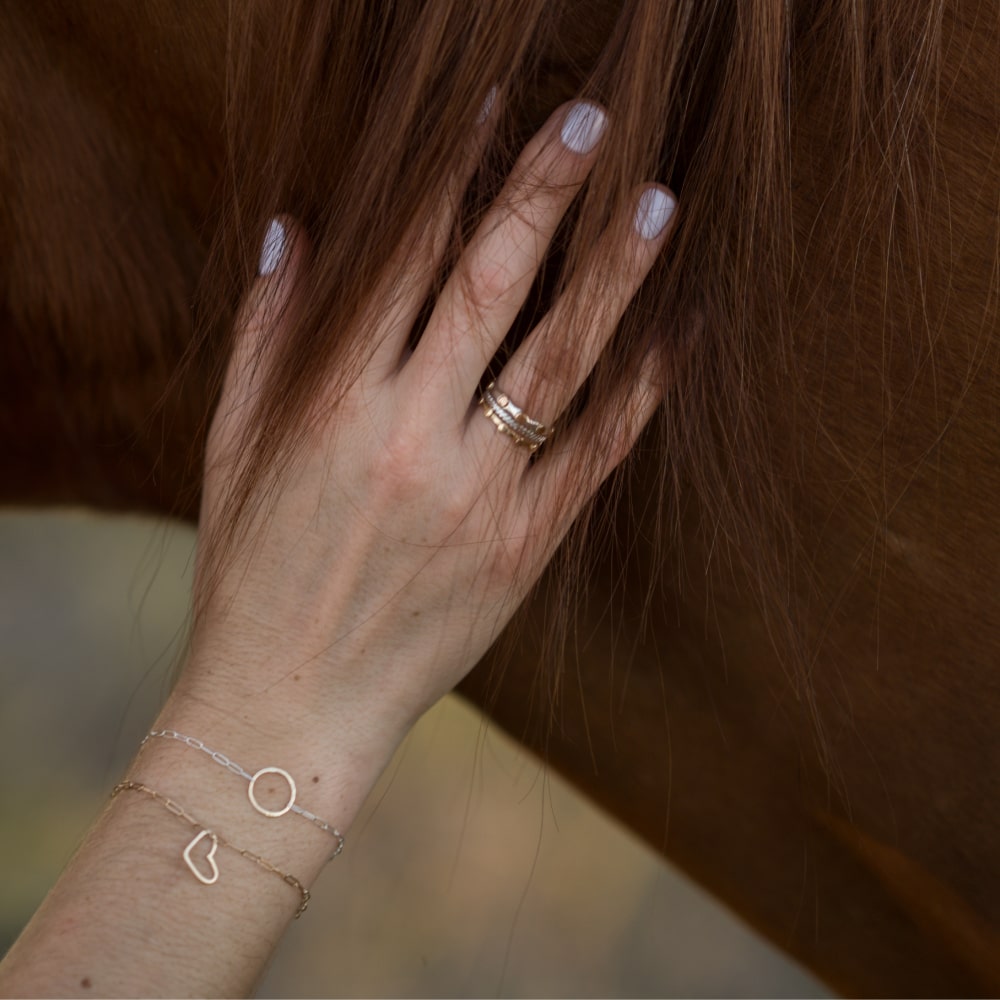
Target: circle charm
291,797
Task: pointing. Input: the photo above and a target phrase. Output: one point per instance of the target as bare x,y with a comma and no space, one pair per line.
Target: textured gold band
510,419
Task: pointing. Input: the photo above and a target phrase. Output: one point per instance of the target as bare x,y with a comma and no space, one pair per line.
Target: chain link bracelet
216,839
231,765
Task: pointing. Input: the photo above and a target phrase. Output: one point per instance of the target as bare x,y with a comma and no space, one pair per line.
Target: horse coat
869,853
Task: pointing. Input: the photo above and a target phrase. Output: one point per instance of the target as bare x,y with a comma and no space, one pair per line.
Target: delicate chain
231,765
178,810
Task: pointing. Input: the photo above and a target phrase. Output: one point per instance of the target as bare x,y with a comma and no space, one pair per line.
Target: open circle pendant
291,787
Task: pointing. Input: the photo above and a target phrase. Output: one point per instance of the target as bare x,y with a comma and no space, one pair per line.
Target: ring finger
548,369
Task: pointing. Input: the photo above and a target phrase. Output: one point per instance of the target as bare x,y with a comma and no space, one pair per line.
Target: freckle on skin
296,678
315,779
85,982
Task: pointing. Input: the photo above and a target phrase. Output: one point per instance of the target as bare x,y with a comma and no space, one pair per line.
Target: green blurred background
474,871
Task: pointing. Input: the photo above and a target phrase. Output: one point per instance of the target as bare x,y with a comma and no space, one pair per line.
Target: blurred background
474,870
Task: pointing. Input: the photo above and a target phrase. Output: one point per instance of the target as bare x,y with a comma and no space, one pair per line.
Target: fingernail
583,127
273,249
654,212
484,111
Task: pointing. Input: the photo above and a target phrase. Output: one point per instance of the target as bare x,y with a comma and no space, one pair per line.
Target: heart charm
210,858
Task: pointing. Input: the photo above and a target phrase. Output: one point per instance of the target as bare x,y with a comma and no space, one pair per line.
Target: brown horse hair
350,117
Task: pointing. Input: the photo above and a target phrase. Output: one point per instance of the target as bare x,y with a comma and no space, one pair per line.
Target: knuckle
405,478
489,279
506,561
551,378
453,510
398,469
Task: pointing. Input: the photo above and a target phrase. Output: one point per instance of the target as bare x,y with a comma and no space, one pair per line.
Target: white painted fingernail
484,111
273,249
654,212
583,127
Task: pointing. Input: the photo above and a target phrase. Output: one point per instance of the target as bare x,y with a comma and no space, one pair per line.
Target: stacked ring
510,419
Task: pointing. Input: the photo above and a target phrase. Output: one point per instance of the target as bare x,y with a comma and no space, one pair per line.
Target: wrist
331,763
159,896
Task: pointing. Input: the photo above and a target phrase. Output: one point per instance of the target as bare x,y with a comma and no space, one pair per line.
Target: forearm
128,916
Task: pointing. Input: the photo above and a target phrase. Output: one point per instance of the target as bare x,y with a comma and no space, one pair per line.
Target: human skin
394,547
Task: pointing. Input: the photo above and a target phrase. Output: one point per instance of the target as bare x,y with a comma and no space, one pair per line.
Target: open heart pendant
209,858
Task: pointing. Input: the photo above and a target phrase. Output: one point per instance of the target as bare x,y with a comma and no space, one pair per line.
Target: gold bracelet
204,831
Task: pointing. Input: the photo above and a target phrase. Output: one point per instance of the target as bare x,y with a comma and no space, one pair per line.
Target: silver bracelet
231,765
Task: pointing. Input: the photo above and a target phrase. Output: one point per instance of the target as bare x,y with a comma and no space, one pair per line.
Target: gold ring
510,419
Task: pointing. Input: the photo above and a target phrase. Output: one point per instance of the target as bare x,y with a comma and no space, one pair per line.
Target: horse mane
804,140
350,117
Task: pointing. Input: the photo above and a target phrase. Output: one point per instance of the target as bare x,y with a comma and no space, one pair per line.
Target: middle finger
491,281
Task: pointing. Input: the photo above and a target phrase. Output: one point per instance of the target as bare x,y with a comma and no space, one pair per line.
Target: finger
493,277
262,321
548,369
557,487
411,272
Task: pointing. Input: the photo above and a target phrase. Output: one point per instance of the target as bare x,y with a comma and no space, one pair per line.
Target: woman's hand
392,550
408,529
